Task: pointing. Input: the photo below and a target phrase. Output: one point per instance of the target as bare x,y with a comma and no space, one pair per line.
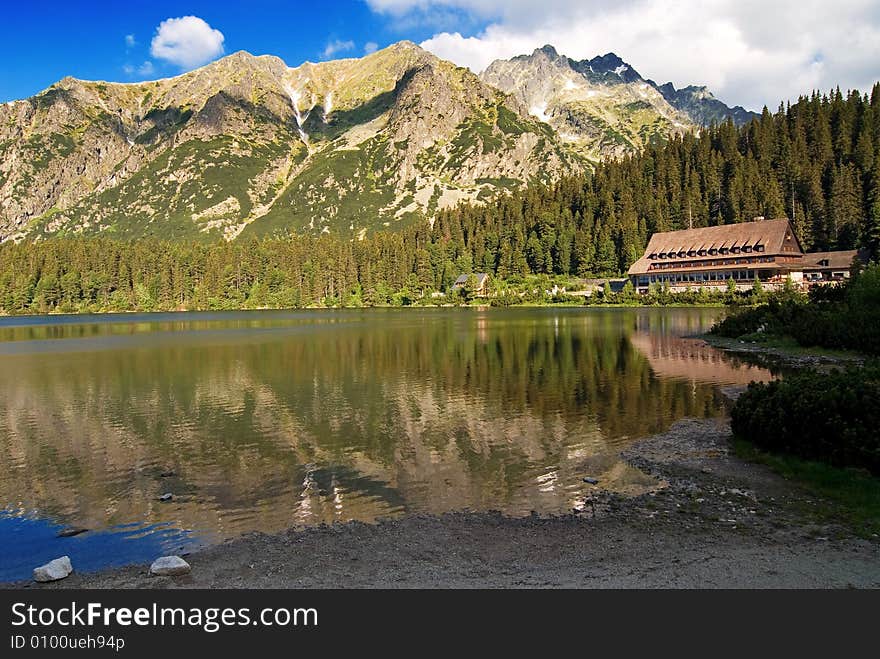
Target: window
759,248
662,255
734,250
713,252
723,250
747,248
692,253
702,252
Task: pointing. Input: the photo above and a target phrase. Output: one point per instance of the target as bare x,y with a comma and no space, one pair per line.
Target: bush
831,417
846,316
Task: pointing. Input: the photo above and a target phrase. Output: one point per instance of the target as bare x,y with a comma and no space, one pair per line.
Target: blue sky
749,52
42,42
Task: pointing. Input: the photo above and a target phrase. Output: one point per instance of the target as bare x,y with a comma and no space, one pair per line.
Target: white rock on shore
54,570
169,566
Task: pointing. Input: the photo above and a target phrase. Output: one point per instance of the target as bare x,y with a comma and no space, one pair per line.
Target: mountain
248,146
603,106
698,103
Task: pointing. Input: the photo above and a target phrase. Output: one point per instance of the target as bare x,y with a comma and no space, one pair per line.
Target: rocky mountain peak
247,145
596,103
601,107
546,50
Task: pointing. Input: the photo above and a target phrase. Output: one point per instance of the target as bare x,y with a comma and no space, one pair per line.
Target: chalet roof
462,279
770,234
841,260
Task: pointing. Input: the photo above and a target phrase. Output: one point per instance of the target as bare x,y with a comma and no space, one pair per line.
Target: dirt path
719,522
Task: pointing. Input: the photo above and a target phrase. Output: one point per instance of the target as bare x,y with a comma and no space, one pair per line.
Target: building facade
482,283
766,250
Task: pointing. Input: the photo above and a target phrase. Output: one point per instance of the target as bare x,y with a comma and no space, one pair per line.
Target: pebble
169,566
591,481
54,570
166,497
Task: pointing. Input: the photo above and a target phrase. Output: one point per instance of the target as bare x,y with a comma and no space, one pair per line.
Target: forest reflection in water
269,419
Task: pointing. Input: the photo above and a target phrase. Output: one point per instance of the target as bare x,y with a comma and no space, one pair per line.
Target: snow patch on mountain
539,110
328,106
295,97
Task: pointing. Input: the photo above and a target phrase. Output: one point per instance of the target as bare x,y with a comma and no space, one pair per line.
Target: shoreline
718,521
482,306
795,356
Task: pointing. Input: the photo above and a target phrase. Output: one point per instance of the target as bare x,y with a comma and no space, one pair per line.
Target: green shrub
843,317
831,417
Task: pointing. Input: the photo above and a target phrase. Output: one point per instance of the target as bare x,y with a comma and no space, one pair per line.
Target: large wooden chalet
767,250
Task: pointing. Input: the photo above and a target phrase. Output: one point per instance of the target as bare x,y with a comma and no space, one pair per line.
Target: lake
259,421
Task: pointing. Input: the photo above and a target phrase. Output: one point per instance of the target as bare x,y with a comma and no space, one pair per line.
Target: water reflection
31,541
269,420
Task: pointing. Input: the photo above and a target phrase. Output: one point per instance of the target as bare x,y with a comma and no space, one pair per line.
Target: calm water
271,419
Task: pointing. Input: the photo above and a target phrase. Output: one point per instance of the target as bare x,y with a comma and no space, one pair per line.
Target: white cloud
370,47
749,52
144,70
187,42
130,41
337,46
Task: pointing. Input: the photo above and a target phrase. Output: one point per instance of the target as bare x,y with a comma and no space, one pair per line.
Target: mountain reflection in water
271,419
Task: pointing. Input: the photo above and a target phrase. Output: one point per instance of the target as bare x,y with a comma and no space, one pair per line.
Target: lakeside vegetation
841,317
96,275
849,495
831,416
818,428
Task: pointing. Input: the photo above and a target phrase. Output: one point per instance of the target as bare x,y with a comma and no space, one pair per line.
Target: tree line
816,161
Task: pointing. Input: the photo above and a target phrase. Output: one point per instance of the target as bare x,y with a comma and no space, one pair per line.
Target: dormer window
747,248
723,250
759,248
713,252
734,250
692,253
701,252
682,254
652,256
662,255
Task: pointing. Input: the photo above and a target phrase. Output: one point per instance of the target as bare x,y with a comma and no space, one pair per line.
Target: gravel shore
717,522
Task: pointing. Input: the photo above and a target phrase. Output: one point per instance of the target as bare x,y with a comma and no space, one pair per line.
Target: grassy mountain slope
248,145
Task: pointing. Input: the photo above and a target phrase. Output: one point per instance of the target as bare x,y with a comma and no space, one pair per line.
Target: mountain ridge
604,106
247,144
